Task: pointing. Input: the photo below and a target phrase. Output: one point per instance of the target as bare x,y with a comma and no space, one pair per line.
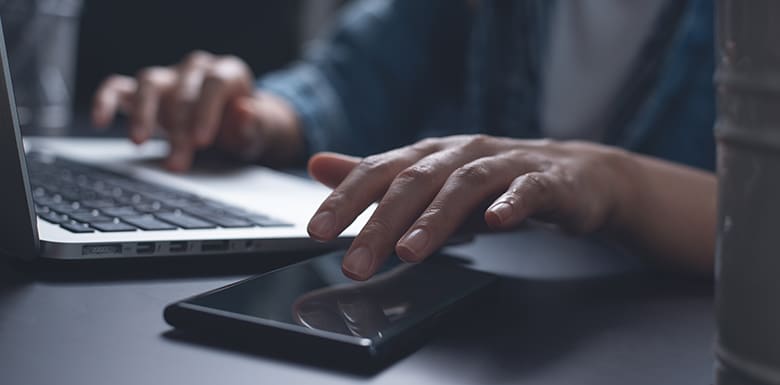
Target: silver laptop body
243,193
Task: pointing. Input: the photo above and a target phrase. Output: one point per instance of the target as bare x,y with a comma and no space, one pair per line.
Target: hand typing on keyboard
202,101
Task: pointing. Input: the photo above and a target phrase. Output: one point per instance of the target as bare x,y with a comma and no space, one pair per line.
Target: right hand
204,100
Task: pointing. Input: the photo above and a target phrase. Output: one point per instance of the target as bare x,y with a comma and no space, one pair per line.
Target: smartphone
311,308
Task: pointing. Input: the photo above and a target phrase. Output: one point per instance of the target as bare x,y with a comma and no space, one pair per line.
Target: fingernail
137,137
177,162
321,226
358,262
502,210
415,243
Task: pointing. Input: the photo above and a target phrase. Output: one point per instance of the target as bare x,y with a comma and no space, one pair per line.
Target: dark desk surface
570,312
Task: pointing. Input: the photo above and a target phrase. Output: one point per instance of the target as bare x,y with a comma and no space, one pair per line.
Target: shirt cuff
318,106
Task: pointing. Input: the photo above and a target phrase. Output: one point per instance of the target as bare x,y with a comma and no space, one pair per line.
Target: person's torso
593,47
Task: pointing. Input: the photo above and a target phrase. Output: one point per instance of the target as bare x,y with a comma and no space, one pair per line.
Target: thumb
330,168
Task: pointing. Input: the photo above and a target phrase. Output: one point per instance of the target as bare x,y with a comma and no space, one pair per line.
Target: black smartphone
312,309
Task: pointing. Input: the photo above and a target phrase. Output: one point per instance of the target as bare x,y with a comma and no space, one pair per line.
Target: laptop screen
19,236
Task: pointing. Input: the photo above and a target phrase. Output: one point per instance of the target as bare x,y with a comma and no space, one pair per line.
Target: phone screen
315,295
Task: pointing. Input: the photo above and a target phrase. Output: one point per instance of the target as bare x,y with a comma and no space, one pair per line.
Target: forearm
668,212
366,87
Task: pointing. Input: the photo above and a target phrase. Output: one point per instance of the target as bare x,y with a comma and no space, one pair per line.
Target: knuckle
229,67
537,183
112,83
415,173
547,142
433,211
374,164
473,173
335,201
376,226
149,75
532,160
216,75
478,141
197,57
433,217
231,60
426,144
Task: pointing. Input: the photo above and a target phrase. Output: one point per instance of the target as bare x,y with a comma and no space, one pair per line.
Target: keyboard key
230,222
66,208
264,221
150,207
54,217
121,211
90,217
99,203
76,227
184,221
219,217
148,222
114,226
44,200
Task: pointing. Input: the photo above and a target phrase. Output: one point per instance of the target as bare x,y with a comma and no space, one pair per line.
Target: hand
426,190
203,100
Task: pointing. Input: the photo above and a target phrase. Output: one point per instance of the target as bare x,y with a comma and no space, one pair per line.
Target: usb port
114,249
212,246
177,247
145,248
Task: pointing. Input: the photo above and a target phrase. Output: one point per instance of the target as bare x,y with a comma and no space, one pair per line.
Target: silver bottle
748,132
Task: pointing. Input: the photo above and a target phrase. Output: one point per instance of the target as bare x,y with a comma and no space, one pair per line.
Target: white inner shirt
594,45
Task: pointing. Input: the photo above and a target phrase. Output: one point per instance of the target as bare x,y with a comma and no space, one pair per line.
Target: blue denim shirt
394,71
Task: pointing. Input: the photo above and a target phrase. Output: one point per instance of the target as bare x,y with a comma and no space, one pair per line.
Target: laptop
77,198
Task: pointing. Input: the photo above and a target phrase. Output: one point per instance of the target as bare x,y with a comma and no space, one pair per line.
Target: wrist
627,175
282,131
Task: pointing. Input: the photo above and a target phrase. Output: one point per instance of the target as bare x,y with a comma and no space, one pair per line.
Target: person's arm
669,212
427,190
361,90
366,87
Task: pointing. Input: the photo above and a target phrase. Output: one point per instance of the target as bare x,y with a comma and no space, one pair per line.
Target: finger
152,83
462,193
406,198
109,98
330,168
366,183
180,100
182,151
536,193
241,132
227,79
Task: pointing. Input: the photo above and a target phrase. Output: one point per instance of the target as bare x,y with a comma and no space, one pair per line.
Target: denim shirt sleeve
675,115
368,85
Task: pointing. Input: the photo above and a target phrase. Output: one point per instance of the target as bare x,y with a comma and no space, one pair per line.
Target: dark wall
123,36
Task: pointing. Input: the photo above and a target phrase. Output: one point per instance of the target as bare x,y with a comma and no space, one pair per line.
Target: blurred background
60,50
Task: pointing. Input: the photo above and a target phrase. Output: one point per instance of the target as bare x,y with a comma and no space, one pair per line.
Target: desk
569,312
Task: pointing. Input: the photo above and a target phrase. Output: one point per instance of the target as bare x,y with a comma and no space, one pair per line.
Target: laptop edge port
214,246
145,248
177,247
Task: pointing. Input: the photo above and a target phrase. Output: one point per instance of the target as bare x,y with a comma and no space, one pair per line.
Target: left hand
428,189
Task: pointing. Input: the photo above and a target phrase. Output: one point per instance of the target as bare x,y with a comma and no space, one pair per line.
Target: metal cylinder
748,132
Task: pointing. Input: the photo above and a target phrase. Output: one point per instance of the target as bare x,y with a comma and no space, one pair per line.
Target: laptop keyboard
86,199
